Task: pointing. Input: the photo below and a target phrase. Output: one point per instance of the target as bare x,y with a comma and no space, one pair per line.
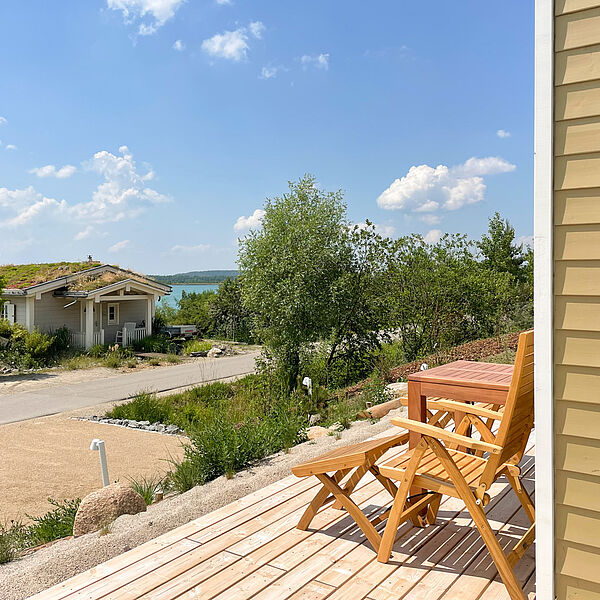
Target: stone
314,419
312,433
214,352
103,506
144,423
172,429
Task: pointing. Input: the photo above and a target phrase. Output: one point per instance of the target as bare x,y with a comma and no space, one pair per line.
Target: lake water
190,288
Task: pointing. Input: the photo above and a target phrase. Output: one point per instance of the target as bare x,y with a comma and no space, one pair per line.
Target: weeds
173,359
196,346
147,487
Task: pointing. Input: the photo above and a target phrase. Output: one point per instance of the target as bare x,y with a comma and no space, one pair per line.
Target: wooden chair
435,466
340,472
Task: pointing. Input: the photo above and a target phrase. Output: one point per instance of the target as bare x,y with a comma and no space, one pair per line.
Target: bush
144,407
155,343
113,360
196,346
56,523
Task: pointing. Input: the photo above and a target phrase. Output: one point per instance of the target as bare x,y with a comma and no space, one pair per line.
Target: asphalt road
60,398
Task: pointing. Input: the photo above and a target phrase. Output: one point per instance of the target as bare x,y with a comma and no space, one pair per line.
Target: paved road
60,398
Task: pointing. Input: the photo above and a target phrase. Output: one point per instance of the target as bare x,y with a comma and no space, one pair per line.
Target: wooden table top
468,373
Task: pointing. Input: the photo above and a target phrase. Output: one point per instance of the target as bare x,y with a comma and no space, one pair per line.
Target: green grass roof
23,276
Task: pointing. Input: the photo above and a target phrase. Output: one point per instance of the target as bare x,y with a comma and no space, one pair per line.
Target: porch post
29,313
89,324
149,315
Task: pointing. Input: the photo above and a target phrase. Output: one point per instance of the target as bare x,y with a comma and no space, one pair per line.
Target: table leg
417,410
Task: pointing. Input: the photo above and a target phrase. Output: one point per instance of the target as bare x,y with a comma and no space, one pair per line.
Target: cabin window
113,314
9,312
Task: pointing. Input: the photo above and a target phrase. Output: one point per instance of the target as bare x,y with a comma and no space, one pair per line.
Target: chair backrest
517,419
129,325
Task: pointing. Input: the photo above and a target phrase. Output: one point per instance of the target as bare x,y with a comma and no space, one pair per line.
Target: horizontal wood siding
577,298
50,313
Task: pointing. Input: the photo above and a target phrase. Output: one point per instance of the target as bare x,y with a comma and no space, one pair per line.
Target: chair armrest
447,436
472,409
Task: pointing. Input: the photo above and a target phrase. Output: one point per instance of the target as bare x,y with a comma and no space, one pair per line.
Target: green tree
308,277
499,251
194,309
230,317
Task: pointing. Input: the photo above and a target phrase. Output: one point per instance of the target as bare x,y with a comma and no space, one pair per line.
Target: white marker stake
99,445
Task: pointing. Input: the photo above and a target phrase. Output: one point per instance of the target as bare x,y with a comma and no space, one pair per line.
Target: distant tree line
196,277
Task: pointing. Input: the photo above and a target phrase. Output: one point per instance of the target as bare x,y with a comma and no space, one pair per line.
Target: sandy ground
50,457
31,574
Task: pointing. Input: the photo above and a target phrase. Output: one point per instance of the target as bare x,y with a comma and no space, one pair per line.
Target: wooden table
463,381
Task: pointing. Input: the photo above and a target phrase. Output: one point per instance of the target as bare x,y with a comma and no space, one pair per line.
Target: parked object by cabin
98,303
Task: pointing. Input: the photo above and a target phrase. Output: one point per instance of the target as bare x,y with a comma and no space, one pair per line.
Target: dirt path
50,457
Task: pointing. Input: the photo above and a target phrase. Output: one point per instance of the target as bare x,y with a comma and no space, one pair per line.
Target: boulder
103,506
312,433
214,352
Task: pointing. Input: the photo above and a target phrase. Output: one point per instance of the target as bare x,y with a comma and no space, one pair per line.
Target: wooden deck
251,549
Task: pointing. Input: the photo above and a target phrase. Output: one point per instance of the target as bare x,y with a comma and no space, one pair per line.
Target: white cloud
52,171
254,220
433,236
150,14
11,147
431,219
426,189
21,206
124,193
525,240
257,28
179,46
268,72
120,246
85,233
232,45
223,2
198,248
2,120
319,61
502,133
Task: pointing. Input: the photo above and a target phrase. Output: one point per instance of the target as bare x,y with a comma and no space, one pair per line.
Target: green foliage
144,407
231,319
27,350
196,277
229,424
154,343
147,487
165,315
309,277
196,346
194,309
115,358
55,524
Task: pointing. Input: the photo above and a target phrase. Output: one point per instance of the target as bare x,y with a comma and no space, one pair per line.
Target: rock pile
145,425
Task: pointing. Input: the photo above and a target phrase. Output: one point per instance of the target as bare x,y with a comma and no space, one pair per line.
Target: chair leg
358,474
353,510
522,495
319,500
478,515
391,528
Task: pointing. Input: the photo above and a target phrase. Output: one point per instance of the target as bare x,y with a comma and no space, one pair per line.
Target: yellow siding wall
577,298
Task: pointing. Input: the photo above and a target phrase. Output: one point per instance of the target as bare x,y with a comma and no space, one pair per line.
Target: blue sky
149,132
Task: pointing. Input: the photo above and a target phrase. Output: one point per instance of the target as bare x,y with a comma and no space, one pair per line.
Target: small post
99,446
307,381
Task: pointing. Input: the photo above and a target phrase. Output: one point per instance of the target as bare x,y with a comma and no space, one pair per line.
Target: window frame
115,319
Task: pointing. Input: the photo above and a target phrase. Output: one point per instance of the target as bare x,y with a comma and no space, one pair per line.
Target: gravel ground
66,558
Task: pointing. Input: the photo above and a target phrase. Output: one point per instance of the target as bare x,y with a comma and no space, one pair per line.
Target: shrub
113,360
196,346
98,351
144,407
173,359
147,487
154,343
56,523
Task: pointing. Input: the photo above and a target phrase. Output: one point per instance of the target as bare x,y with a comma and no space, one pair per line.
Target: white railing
77,339
134,335
98,337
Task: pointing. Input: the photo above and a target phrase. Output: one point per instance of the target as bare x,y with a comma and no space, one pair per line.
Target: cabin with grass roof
97,303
